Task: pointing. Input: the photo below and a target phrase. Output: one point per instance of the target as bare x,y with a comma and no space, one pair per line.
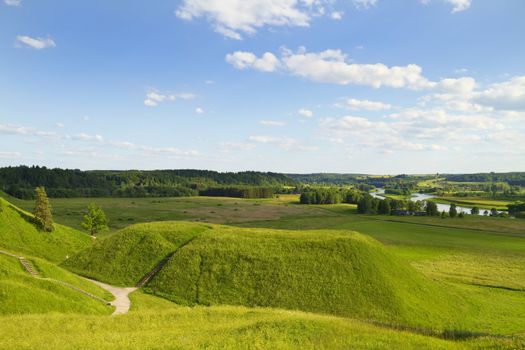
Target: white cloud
330,66
153,98
35,43
59,125
13,2
272,123
336,15
303,112
88,137
233,17
355,104
199,110
509,95
243,60
459,5
364,4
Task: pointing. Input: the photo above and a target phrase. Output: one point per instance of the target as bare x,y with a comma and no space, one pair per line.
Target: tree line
21,181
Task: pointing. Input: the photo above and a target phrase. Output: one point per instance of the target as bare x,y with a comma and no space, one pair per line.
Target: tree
493,212
453,212
95,220
42,211
384,207
461,215
486,212
431,209
443,214
474,211
365,205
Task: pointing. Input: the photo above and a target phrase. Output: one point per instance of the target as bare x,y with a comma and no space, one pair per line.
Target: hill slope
223,327
19,234
124,258
21,293
334,272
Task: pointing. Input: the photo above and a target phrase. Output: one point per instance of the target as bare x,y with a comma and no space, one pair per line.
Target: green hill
19,234
331,272
124,258
20,293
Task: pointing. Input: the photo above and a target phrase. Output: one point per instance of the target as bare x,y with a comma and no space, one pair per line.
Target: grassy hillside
124,258
22,294
340,273
222,327
19,234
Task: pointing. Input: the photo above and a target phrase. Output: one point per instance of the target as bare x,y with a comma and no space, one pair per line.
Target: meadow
279,274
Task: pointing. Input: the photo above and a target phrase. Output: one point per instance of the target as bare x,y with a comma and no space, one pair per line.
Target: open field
469,274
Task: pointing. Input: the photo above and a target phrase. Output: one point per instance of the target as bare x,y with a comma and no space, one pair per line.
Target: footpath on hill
121,302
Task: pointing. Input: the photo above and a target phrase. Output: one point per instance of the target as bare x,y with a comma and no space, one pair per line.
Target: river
425,196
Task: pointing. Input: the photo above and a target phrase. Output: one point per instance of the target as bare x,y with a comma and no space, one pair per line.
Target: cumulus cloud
199,110
154,98
304,112
508,95
459,5
35,43
233,18
355,104
336,15
331,66
243,60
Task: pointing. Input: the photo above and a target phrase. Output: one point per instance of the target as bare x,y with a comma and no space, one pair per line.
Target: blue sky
413,86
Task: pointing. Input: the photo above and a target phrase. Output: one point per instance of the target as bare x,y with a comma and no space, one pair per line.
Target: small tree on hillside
474,211
95,220
42,211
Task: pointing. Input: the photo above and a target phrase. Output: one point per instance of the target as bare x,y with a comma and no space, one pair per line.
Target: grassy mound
332,272
124,258
224,327
19,234
22,294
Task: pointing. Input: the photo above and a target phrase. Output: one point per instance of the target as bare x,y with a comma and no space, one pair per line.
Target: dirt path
121,302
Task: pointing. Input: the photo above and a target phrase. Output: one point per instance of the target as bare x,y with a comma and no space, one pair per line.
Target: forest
20,182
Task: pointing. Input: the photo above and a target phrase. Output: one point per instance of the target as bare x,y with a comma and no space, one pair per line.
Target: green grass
123,212
223,327
19,234
333,272
22,294
461,274
124,258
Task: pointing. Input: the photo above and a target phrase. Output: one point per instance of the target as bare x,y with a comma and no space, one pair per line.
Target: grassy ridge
19,234
218,328
22,294
340,273
124,258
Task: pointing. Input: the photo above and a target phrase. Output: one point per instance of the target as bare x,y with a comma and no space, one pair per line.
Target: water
425,196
